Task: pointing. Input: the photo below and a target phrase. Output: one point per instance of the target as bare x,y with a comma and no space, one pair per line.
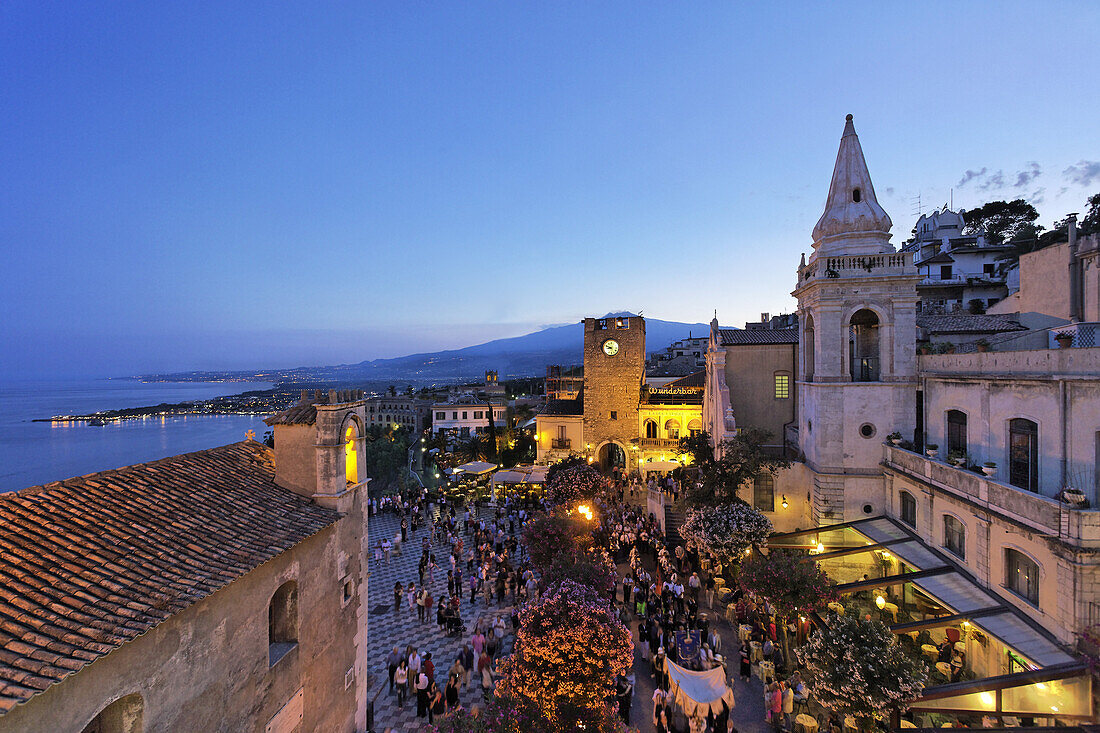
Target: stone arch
807,344
351,434
611,453
124,715
864,344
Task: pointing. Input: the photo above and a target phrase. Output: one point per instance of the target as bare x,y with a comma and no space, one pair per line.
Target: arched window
695,427
763,493
863,346
672,429
1023,454
351,455
807,347
124,715
650,429
857,195
908,509
954,536
1022,576
956,431
282,622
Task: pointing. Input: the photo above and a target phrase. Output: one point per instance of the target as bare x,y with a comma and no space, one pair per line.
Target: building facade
466,415
218,590
401,411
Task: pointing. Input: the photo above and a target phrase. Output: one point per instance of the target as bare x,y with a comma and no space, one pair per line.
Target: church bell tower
857,346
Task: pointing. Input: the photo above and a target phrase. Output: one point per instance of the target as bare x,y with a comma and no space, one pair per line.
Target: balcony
900,263
659,443
561,444
942,281
1040,513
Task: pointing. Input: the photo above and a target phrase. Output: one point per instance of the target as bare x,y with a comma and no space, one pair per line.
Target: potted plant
894,437
924,349
989,468
1064,339
1074,497
956,458
931,449
983,345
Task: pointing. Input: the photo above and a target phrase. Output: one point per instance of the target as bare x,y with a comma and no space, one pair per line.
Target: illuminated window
614,415
351,456
1022,576
782,386
763,493
672,428
650,429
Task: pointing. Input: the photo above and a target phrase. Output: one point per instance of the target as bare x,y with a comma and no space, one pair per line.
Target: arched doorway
610,456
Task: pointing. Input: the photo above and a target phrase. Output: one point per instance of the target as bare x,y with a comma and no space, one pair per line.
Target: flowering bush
516,715
571,485
569,648
594,569
791,582
725,531
552,534
856,667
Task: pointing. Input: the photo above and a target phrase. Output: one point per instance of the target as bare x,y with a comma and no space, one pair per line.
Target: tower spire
853,222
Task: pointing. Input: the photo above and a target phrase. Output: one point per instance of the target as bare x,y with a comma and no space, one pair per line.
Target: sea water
33,453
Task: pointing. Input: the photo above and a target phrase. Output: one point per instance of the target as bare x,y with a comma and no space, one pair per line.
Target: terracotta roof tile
89,563
752,336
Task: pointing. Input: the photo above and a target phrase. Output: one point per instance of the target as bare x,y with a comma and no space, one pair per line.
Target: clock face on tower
611,347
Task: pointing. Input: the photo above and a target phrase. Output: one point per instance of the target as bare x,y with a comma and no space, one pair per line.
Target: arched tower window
857,195
351,455
808,344
282,622
863,346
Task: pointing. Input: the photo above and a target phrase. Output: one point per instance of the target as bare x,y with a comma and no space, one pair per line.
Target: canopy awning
521,475
659,466
476,468
699,692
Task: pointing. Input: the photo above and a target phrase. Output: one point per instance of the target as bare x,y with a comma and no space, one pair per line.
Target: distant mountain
519,356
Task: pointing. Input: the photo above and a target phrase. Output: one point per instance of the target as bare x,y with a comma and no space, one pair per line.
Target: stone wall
207,668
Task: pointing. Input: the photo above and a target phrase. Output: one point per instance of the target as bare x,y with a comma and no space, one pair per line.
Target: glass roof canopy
946,584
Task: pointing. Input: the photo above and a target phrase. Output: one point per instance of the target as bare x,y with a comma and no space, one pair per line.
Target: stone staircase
674,518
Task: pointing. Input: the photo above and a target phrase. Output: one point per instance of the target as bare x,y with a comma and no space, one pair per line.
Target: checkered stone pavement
388,629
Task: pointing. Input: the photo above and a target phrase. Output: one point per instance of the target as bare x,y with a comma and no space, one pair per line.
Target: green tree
1090,223
699,447
793,583
741,459
1002,221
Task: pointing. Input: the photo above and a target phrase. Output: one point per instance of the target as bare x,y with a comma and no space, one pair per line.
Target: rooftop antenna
916,202
952,198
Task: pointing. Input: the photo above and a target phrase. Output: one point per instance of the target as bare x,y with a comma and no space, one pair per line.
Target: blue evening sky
234,185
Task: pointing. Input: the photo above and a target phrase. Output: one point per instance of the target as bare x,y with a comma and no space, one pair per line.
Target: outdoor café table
731,614
850,723
836,608
744,631
767,672
930,651
908,724
944,669
757,651
805,723
913,635
892,609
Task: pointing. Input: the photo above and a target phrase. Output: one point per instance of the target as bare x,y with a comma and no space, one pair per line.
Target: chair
953,635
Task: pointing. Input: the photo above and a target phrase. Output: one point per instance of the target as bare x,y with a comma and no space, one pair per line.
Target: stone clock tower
614,372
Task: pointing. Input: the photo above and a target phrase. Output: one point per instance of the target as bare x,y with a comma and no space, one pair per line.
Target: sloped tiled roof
698,379
90,563
940,258
300,414
964,323
564,407
738,337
